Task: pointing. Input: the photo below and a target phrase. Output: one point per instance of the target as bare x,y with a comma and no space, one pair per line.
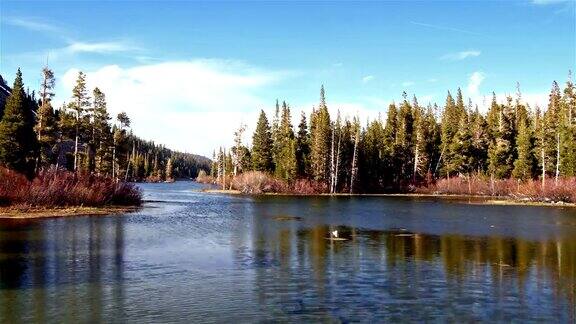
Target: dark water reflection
192,257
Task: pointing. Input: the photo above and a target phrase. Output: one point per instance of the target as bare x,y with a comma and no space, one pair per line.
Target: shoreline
22,213
479,199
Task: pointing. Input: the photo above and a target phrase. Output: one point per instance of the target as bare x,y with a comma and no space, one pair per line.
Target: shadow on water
197,257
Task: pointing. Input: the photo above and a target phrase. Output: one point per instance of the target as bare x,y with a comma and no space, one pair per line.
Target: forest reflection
403,264
58,266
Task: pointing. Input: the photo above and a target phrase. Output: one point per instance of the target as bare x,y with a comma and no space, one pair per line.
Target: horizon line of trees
80,136
414,146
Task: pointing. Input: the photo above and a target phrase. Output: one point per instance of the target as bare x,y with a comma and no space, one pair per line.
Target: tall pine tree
17,137
262,145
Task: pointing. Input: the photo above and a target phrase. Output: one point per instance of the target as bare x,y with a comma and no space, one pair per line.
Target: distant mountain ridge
5,91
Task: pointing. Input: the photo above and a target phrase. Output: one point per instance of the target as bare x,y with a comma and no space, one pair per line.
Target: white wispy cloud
459,56
474,83
438,27
178,102
548,2
31,23
367,78
407,83
484,99
99,47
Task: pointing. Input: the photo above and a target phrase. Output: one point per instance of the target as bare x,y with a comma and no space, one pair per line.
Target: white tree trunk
543,169
354,161
332,164
557,158
416,159
337,163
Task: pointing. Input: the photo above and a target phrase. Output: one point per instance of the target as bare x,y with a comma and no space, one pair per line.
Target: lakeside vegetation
511,150
76,155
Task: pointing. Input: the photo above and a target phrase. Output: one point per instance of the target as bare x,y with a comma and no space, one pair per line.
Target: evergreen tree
460,149
262,145
501,150
523,164
46,122
320,135
553,121
303,148
103,140
17,138
480,142
372,157
285,147
80,104
422,134
46,131
389,162
404,145
568,131
448,128
120,148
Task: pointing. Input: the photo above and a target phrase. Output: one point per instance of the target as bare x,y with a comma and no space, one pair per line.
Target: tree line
81,136
414,145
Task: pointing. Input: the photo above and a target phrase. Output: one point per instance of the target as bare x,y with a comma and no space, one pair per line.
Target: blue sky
186,70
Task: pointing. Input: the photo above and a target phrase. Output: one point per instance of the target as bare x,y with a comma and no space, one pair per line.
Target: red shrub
309,187
564,190
58,188
256,182
203,177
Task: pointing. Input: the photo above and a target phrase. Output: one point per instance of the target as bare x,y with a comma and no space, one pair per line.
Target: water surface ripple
190,257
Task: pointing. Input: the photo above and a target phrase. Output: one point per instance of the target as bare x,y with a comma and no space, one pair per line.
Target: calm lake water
194,257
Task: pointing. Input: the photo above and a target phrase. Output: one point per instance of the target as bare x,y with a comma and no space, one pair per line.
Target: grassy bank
58,189
469,199
481,190
36,212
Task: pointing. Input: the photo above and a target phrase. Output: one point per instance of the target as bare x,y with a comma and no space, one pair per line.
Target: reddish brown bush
309,187
256,182
562,191
203,177
58,188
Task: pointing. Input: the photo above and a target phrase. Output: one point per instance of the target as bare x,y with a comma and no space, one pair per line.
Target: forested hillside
81,136
413,145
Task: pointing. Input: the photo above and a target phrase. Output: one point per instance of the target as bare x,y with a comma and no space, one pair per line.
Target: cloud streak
549,2
98,47
367,78
459,56
32,24
438,27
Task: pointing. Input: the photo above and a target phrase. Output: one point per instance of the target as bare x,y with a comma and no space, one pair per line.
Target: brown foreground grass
35,213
